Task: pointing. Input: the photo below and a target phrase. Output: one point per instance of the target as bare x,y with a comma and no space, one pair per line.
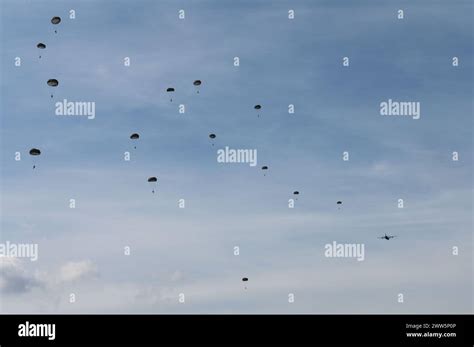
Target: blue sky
282,62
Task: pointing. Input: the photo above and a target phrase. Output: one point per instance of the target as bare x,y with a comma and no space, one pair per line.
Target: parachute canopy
170,90
35,151
245,279
339,203
152,179
135,136
212,136
56,20
296,192
41,45
53,83
257,107
264,167
197,82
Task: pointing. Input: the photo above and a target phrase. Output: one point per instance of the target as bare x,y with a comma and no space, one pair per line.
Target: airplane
387,237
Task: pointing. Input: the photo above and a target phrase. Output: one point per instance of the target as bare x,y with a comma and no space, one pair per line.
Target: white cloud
14,278
75,271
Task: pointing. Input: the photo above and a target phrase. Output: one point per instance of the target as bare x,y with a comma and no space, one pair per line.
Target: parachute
135,136
245,279
296,193
212,137
258,107
56,21
170,90
339,202
35,152
53,83
197,83
264,168
40,46
152,180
